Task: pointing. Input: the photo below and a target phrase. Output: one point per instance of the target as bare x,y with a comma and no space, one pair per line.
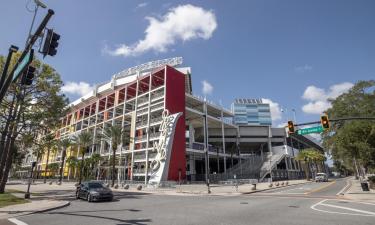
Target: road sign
23,64
310,130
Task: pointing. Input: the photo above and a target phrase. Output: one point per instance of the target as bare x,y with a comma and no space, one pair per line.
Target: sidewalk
201,189
355,192
44,197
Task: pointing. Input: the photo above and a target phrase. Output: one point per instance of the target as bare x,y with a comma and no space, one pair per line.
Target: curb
9,214
52,208
290,185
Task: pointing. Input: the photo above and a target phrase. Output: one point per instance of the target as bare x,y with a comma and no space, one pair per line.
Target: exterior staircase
251,164
270,163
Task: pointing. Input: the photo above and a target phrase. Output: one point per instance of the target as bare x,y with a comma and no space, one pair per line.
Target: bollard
254,187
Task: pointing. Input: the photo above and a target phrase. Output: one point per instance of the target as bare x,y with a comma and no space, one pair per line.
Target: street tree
64,144
83,141
28,108
352,143
114,136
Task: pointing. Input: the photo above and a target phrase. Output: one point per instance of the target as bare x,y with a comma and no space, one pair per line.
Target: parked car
94,191
321,177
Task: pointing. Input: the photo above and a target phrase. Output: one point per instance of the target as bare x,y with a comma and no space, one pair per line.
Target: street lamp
38,4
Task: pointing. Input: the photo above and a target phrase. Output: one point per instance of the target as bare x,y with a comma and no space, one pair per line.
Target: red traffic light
324,121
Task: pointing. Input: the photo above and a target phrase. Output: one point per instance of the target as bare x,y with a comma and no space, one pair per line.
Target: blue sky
294,53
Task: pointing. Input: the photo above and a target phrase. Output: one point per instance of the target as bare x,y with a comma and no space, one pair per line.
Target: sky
294,54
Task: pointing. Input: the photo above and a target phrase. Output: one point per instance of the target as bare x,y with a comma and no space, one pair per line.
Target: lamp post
38,4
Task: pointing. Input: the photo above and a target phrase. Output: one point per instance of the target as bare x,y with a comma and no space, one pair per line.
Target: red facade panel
175,102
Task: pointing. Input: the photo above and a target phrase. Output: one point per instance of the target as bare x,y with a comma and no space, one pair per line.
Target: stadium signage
150,65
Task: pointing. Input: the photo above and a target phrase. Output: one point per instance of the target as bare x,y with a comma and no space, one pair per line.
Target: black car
94,191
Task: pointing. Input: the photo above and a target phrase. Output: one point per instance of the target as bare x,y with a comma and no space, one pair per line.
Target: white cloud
141,5
81,88
313,93
207,88
316,107
318,97
302,69
276,113
184,22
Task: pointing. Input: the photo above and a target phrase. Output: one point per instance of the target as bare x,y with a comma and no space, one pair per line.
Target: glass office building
251,112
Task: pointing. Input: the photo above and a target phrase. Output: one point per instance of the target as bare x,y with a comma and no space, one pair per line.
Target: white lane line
332,212
347,208
341,192
366,203
16,221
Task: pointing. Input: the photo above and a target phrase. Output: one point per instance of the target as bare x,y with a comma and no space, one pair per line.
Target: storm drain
293,206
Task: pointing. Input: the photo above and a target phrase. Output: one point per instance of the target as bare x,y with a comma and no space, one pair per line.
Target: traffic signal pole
336,120
28,47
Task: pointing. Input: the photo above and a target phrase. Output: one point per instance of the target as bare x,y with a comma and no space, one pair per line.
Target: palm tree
317,158
95,158
49,143
305,156
310,155
114,135
64,144
72,163
53,167
83,141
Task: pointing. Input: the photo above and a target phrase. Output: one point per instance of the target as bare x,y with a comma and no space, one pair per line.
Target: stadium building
172,134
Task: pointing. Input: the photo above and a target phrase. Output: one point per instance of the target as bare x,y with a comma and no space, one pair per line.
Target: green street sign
310,130
23,64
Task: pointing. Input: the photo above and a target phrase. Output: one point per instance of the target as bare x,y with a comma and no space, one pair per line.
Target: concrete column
148,127
223,140
238,148
269,143
192,165
191,135
205,137
135,125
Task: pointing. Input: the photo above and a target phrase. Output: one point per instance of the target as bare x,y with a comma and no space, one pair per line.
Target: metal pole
32,24
294,115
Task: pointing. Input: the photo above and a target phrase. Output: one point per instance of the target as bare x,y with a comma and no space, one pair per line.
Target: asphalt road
313,203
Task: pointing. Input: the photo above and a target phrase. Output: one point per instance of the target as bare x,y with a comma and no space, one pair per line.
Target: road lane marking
320,188
16,221
363,212
341,192
366,203
350,209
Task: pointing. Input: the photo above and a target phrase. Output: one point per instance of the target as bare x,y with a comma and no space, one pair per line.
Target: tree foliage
27,112
353,142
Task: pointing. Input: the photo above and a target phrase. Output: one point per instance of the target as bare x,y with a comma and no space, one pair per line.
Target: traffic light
291,127
28,76
324,121
50,43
